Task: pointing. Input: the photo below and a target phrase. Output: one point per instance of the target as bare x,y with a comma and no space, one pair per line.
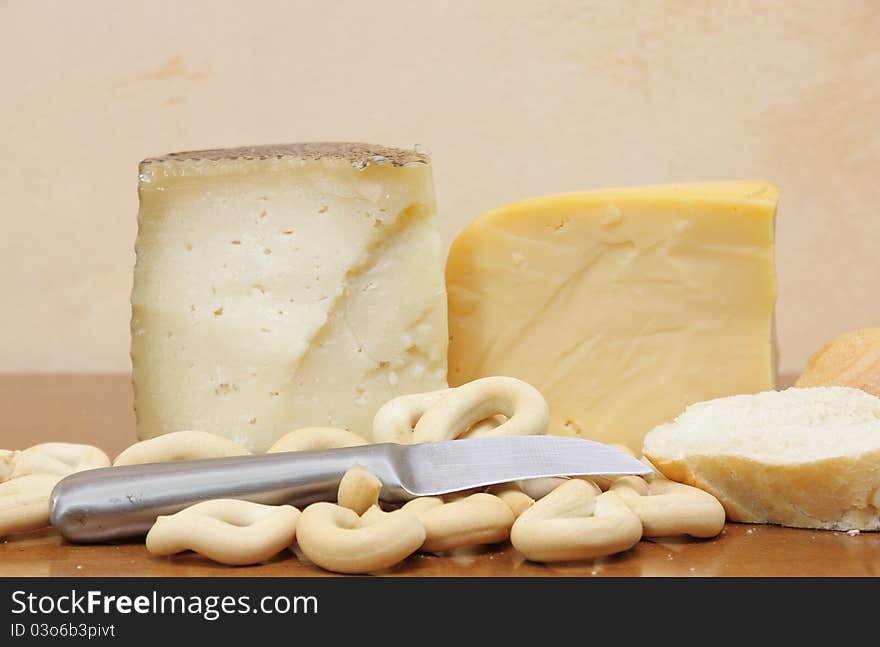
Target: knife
120,502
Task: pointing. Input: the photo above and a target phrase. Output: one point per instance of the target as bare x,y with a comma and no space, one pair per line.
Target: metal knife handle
120,502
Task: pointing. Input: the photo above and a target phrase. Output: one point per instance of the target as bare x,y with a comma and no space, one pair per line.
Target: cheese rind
621,306
284,287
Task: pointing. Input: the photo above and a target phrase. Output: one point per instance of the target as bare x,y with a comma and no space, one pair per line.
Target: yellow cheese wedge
284,287
622,306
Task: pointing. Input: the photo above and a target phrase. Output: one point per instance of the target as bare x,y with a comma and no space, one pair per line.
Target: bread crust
852,359
840,493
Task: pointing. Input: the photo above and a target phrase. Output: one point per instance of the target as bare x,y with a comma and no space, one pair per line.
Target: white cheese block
284,287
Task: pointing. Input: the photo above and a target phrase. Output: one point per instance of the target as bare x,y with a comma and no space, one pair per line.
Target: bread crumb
853,532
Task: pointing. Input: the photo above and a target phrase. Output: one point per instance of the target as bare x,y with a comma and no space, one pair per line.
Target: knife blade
120,502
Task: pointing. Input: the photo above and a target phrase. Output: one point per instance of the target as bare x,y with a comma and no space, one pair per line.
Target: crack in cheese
284,287
622,306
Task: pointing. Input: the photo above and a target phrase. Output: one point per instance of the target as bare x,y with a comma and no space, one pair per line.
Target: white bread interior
803,457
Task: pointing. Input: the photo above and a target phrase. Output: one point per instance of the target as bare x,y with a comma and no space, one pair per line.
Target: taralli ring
337,539
523,405
574,522
179,446
485,427
517,500
667,508
24,503
358,490
470,521
315,438
58,458
395,420
540,487
7,463
228,531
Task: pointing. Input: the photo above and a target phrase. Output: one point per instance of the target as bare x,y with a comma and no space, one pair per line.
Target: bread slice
803,457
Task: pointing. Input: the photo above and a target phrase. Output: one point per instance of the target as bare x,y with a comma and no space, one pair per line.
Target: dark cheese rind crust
359,155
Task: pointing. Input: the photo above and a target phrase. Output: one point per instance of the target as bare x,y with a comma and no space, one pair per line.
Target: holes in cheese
242,327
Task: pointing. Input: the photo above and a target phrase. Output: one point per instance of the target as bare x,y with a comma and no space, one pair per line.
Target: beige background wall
514,98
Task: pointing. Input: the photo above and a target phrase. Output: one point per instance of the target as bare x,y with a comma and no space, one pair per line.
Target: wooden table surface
97,410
